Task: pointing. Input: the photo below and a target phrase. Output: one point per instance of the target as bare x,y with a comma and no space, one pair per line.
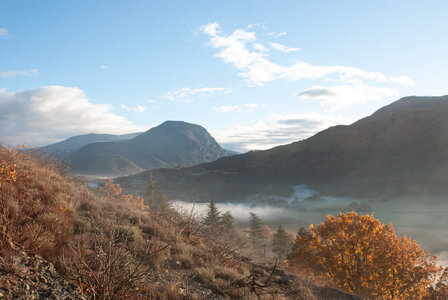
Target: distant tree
228,221
256,231
150,190
212,218
281,243
361,255
155,196
161,200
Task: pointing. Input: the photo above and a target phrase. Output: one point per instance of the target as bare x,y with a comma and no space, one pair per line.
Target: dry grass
110,247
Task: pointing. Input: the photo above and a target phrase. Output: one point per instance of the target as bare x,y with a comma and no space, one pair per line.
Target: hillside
170,144
401,149
57,233
66,147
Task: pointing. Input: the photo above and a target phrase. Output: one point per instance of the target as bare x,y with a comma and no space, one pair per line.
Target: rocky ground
24,276
280,283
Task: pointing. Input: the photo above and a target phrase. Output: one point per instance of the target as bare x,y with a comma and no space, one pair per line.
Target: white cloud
185,94
276,130
247,108
104,67
402,80
3,32
260,47
137,109
275,34
18,73
211,28
340,96
283,48
258,69
48,114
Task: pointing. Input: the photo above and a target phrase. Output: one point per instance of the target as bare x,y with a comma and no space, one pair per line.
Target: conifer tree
161,200
256,230
212,218
281,243
155,196
150,191
228,222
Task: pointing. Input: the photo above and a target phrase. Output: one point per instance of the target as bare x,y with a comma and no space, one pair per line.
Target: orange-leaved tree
360,255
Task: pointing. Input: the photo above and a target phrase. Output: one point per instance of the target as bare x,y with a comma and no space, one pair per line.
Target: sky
255,74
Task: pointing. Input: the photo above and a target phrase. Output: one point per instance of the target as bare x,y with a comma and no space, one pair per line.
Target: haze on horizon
255,74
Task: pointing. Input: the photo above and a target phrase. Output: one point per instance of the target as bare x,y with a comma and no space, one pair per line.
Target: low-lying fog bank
422,219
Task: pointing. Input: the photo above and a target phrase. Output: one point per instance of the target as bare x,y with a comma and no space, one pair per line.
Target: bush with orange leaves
362,256
7,173
112,191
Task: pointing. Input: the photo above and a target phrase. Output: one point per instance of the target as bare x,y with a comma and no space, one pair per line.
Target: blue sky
254,73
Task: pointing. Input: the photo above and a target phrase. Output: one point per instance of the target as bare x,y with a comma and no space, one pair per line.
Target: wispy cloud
247,108
283,48
276,130
3,32
48,114
137,109
260,47
186,94
104,67
340,96
152,104
259,69
277,34
18,73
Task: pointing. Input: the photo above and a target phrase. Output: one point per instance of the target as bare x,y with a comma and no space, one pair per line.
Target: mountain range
173,143
401,149
66,147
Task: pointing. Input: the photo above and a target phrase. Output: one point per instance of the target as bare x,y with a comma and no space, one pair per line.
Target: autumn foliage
113,191
439,291
361,255
111,245
7,173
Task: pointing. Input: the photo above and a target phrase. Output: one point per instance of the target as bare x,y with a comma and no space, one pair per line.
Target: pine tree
161,200
256,230
150,191
212,218
281,243
155,196
228,222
